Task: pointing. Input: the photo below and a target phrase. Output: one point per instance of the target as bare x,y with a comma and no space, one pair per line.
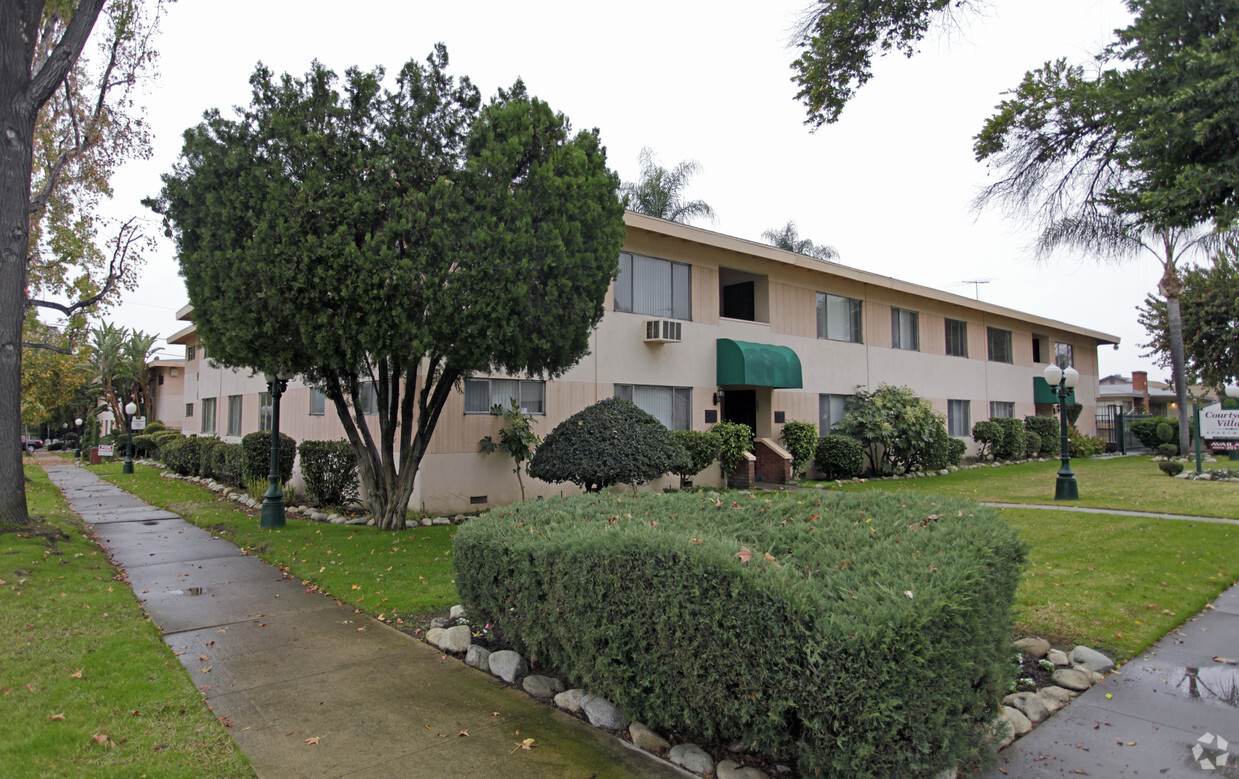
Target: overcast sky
889,186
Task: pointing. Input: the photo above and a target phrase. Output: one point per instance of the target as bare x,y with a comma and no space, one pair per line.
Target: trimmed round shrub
1046,428
839,457
1032,443
258,456
154,426
1171,469
181,455
988,434
329,469
901,651
1168,450
734,440
610,442
958,447
1011,447
702,447
800,439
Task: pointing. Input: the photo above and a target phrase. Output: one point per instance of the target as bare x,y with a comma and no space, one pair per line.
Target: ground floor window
208,416
265,412
318,402
830,409
959,417
483,394
670,405
234,415
1001,409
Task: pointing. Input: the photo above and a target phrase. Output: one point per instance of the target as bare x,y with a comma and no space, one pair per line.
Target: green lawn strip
1114,582
1126,483
87,688
401,575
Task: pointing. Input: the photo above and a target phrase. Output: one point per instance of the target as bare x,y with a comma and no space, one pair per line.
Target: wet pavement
308,687
1173,711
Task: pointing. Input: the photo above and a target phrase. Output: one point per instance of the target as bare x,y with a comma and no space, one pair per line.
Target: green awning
1044,393
757,365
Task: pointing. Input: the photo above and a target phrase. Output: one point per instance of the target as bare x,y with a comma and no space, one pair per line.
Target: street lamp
273,501
1063,382
78,426
131,408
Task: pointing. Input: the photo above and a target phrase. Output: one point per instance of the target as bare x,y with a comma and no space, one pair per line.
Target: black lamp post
78,427
273,500
131,408
1063,382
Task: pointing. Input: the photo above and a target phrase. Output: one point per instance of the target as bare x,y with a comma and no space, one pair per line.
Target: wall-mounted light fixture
718,396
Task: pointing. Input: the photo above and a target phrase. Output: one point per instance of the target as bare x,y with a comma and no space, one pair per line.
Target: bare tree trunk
1171,287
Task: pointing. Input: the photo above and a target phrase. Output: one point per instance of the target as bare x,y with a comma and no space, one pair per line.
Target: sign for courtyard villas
1219,423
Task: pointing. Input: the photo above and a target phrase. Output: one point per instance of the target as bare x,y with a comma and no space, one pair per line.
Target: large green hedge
329,470
865,635
258,456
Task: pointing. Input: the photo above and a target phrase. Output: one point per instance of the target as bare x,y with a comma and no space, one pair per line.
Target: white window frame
318,403
1004,342
208,416
675,278
956,426
1002,409
852,318
499,392
189,409
898,317
679,400
235,408
960,339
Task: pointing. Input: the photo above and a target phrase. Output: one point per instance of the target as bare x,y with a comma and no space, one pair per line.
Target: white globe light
1072,377
78,421
1053,375
131,408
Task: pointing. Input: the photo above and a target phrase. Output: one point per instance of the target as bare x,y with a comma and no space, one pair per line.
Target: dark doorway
739,301
740,406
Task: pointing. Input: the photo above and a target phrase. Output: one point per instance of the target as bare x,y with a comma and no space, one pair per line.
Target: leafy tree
1209,304
68,121
896,427
52,385
660,192
406,237
788,237
702,447
516,438
611,442
734,439
800,438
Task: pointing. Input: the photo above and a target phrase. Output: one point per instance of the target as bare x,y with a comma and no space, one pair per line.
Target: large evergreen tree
405,237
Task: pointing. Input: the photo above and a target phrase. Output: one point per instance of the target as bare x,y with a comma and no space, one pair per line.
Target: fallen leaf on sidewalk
76,674
57,717
1224,660
463,733
312,740
526,744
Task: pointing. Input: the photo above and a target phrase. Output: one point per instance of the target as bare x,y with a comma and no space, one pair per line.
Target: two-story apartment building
702,327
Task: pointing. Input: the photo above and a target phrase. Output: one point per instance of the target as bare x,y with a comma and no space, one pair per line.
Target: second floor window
838,318
654,287
956,338
999,345
905,329
1064,355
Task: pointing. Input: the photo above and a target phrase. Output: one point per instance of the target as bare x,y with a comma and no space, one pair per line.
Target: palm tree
116,366
787,237
660,191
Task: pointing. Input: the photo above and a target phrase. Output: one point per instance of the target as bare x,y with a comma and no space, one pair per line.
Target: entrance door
740,406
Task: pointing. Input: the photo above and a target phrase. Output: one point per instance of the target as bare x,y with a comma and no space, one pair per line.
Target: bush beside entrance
879,622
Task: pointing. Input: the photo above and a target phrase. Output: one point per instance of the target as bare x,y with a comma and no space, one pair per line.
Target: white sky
889,185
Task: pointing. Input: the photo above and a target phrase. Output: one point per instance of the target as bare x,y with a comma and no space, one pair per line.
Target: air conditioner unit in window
662,331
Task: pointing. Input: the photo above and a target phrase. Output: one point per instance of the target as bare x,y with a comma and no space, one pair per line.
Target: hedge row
862,635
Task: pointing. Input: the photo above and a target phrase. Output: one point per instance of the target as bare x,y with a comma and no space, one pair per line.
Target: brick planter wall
745,474
774,464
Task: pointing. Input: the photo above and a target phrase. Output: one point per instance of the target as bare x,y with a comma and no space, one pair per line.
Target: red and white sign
107,450
1219,423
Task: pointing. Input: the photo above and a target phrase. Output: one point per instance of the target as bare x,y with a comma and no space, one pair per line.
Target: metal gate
1114,425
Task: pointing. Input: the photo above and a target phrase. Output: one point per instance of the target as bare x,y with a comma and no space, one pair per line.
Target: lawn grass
87,688
1127,483
401,575
1114,582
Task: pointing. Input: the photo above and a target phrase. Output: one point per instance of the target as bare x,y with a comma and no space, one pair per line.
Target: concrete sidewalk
1160,715
311,689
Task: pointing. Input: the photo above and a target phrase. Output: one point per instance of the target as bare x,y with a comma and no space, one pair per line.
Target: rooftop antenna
976,284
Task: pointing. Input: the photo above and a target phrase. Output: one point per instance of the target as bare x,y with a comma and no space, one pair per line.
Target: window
999,344
655,287
161,377
959,417
208,416
838,318
189,409
905,329
318,402
670,405
176,372
1064,355
265,412
1001,409
482,394
368,398
830,409
202,351
956,338
191,352
234,415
